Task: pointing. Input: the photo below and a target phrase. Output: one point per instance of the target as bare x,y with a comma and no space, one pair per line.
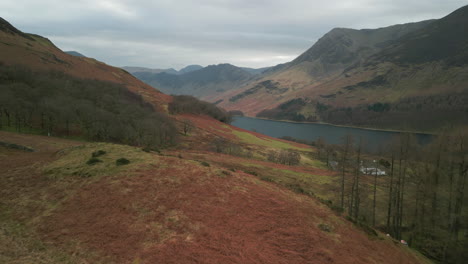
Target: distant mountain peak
201,81
190,68
75,53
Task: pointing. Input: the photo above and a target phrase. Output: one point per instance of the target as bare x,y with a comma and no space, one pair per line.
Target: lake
372,139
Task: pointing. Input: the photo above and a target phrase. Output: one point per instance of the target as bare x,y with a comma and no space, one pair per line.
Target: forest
56,104
421,198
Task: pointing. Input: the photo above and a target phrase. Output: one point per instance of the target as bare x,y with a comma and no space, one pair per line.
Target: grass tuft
122,161
98,153
73,161
204,163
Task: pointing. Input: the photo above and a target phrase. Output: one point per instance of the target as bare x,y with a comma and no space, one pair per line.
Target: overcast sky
176,33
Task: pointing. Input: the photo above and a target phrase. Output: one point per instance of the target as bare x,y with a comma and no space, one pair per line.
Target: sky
177,33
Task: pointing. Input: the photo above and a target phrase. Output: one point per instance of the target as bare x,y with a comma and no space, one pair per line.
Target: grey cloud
167,33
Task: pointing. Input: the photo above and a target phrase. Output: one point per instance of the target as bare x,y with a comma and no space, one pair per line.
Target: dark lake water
373,139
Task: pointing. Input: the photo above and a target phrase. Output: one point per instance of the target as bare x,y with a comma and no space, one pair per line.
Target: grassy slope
169,209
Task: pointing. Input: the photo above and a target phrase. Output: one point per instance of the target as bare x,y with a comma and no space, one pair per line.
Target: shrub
296,188
122,161
367,229
251,173
265,178
224,174
384,163
337,208
325,227
93,161
149,149
98,153
146,149
204,163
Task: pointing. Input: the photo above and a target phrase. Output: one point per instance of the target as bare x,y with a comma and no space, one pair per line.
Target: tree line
56,104
189,104
422,198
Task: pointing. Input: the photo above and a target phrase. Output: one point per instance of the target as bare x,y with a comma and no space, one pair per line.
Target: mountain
190,68
196,80
347,75
256,71
326,59
187,69
132,70
213,79
75,53
445,40
40,54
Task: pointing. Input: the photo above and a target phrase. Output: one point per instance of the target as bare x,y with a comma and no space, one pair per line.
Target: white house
372,171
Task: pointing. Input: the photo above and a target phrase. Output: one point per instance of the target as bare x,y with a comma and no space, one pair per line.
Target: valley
315,160
409,76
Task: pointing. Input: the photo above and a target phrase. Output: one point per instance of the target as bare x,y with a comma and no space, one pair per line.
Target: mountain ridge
212,79
356,69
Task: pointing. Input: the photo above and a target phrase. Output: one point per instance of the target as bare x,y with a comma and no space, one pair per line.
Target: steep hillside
418,71
445,40
213,79
326,59
60,209
38,53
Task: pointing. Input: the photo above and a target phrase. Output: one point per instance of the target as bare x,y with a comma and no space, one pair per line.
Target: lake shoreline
344,126
373,139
